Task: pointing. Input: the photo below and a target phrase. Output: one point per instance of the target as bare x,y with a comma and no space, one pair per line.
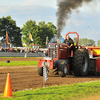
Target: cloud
23,13
93,6
77,25
97,33
45,10
11,2
4,8
49,3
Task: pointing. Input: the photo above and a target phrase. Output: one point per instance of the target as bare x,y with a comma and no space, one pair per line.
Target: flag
47,40
7,37
62,39
30,37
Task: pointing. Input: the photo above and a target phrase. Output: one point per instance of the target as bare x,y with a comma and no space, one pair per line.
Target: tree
46,30
90,41
39,32
14,32
98,43
85,41
75,40
29,27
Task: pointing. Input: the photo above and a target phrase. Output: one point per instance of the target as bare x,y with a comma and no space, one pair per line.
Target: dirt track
26,77
21,59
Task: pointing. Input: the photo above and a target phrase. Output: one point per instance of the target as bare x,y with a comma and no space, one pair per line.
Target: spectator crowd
20,50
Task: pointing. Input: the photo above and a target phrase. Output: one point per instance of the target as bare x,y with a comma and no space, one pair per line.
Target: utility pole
87,33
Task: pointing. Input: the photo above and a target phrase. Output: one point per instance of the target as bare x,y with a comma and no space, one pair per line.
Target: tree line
14,32
84,41
38,31
17,35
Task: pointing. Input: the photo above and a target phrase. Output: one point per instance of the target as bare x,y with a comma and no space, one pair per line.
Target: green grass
19,63
66,92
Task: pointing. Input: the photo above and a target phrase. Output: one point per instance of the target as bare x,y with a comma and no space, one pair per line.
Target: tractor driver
70,43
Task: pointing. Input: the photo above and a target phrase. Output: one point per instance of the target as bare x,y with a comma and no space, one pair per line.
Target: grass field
66,92
19,63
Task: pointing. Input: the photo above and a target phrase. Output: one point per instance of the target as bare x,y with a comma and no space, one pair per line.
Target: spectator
18,49
15,50
10,50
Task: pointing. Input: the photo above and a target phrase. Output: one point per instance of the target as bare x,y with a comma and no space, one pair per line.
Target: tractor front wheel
40,70
62,70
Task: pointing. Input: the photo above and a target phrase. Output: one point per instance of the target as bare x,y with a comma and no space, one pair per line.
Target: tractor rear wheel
62,70
40,70
80,62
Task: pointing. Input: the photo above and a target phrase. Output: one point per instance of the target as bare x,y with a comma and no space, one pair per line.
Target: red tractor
82,60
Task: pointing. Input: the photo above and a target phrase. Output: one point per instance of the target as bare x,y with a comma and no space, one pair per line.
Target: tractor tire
40,70
96,73
62,69
80,62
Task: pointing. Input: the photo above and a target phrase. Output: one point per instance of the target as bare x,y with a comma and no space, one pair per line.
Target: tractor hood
57,45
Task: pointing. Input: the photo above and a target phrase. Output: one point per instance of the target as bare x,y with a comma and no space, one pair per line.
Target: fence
16,54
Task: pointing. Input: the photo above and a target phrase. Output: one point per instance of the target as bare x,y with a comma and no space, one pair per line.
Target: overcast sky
45,10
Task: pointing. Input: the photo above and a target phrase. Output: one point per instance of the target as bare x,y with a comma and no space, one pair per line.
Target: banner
30,37
7,37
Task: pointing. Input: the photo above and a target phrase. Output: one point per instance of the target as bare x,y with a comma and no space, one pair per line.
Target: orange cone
8,90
